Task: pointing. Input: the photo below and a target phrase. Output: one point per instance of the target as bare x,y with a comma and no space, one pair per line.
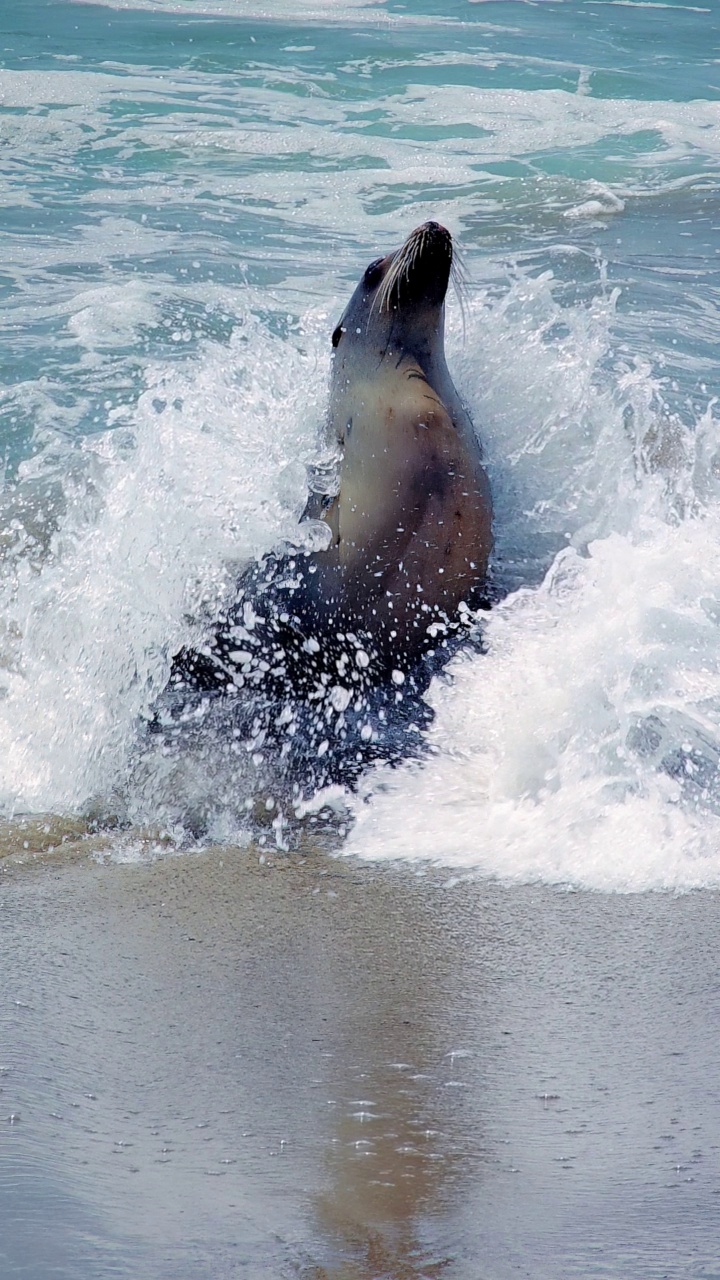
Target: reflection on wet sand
385,1173
391,1169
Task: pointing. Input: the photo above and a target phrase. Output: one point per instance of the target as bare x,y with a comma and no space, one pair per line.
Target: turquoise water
190,191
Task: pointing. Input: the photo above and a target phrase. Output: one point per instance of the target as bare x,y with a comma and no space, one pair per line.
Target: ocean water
189,192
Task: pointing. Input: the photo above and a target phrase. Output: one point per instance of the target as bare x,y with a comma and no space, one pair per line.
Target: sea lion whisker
459,281
417,249
383,294
404,266
392,279
459,271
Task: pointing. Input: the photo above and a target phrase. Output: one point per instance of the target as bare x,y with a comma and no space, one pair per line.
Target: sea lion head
400,300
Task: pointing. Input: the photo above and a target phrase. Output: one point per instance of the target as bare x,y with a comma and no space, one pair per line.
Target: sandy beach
217,1065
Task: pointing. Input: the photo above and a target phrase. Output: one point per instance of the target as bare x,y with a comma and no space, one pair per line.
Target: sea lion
411,522
409,529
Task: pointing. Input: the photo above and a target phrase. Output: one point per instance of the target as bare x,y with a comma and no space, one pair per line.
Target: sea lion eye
337,335
373,273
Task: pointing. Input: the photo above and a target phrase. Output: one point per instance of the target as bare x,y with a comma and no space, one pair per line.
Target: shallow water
214,1067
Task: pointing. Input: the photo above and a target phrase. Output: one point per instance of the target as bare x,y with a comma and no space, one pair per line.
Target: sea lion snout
407,286
434,233
419,272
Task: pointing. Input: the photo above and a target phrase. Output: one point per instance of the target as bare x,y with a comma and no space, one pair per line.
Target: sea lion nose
436,229
435,239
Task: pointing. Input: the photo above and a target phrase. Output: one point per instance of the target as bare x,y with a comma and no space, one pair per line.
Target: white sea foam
289,11
250,115
210,471
583,747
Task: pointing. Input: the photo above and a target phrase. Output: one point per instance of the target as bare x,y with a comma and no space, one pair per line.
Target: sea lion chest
411,520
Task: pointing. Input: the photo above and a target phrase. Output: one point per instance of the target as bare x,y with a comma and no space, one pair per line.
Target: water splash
582,747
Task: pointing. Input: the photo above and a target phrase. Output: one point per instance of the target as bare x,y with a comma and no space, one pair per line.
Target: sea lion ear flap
337,335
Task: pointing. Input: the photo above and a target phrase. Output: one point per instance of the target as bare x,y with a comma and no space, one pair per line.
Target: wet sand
216,1067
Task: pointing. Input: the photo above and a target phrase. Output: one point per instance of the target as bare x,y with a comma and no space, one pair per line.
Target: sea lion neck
418,334
376,342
